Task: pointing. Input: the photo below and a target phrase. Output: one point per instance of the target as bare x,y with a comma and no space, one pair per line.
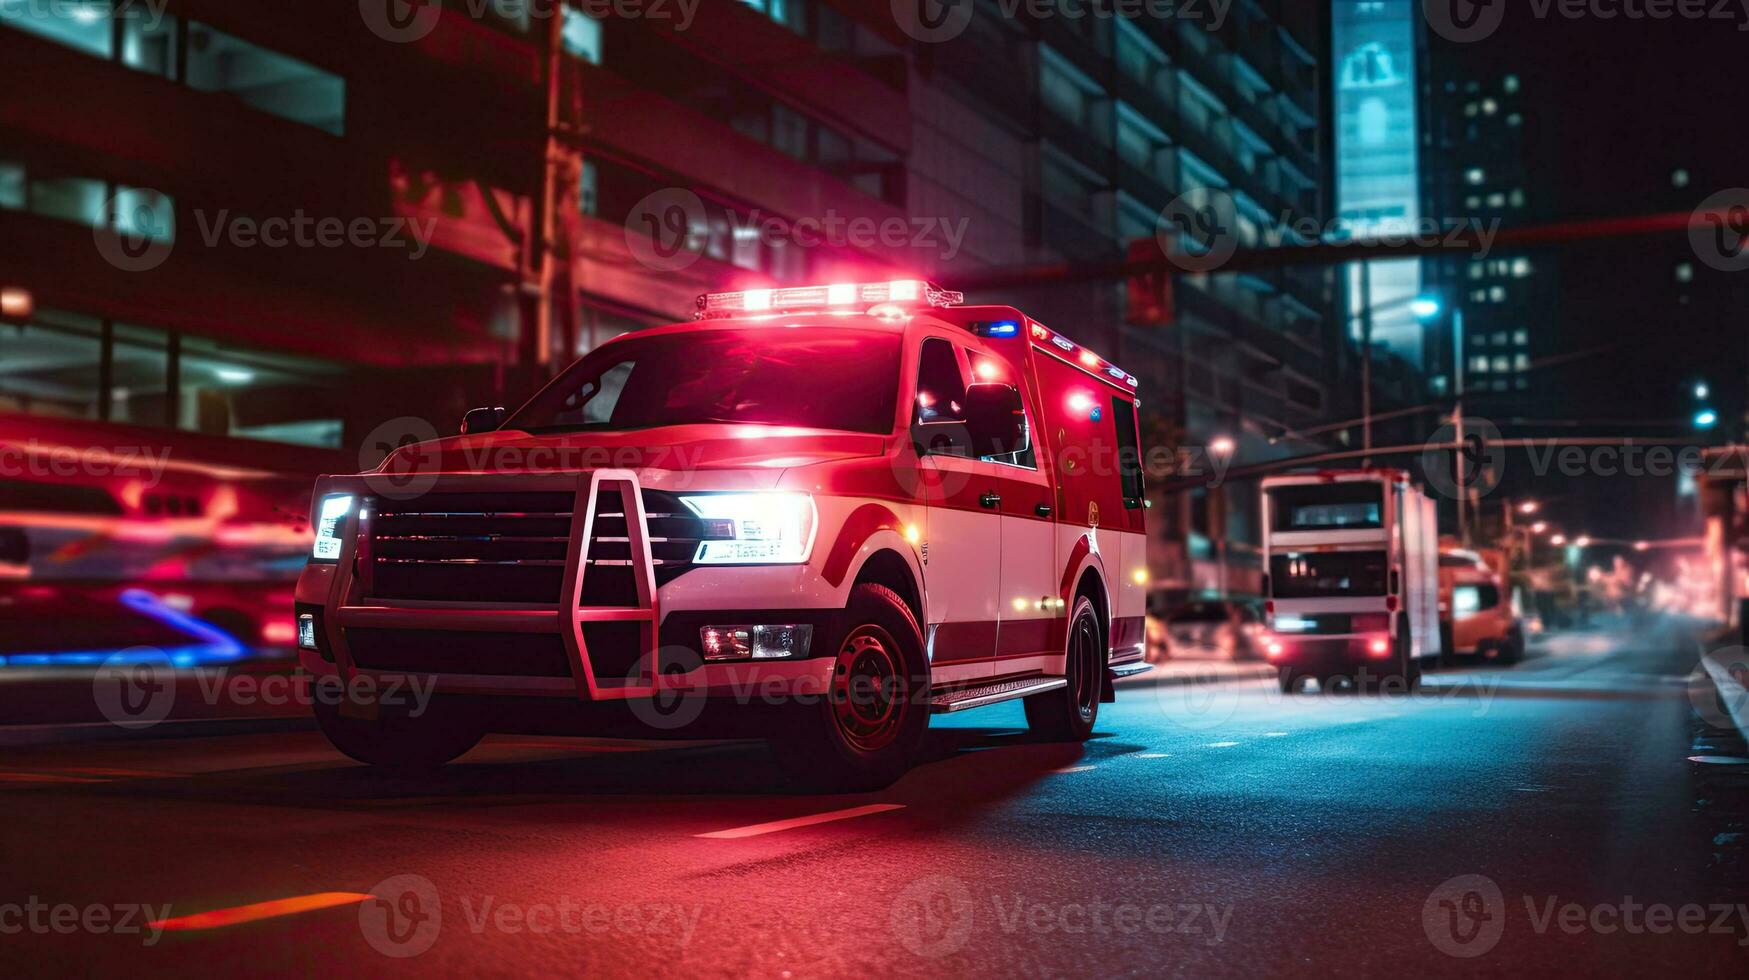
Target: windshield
813,377
1328,506
1338,573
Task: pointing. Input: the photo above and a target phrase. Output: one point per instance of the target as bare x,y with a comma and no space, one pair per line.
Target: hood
683,448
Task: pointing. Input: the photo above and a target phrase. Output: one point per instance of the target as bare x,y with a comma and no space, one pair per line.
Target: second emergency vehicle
813,515
1352,579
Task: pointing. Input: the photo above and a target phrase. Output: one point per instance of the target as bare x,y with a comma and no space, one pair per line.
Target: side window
941,388
938,426
1129,454
594,401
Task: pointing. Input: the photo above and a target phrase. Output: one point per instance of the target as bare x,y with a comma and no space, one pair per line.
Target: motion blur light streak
237,915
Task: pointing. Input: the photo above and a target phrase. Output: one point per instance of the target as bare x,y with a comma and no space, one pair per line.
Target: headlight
329,519
754,528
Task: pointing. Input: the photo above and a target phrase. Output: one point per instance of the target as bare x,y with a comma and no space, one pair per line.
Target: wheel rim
868,700
1083,648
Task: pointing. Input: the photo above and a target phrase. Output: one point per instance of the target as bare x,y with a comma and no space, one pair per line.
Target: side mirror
995,420
482,420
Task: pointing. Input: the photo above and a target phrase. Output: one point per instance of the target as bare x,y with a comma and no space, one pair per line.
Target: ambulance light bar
1081,357
845,297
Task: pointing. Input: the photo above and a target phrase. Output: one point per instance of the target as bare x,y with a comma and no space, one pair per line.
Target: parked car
1221,629
1476,608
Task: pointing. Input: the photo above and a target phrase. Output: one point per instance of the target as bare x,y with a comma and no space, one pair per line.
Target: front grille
457,652
511,547
470,547
674,533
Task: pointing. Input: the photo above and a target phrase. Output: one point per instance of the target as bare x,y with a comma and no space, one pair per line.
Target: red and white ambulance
814,515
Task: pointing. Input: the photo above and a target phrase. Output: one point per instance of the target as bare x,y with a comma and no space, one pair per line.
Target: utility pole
552,239
1457,418
1366,359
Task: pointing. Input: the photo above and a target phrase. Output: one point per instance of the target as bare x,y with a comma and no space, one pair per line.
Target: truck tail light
1379,646
1390,603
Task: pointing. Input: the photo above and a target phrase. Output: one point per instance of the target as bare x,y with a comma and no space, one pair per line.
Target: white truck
1352,581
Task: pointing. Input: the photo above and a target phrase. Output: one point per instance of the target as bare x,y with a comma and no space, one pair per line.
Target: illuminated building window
1479,365
214,61
1679,179
582,36
265,80
1685,272
1476,176
1521,362
1521,337
11,185
56,365
1497,294
1509,84
84,27
1521,268
790,13
1502,365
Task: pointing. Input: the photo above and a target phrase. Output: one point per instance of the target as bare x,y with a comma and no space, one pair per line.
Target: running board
977,697
1130,669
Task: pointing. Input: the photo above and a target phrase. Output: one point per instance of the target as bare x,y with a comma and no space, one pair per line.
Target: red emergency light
846,297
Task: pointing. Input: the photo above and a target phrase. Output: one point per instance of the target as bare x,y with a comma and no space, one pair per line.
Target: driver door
963,566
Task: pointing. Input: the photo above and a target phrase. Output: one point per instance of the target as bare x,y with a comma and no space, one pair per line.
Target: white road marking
755,830
1069,769
1155,755
1220,745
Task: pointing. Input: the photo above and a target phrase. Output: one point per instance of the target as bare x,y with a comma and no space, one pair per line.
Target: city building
290,225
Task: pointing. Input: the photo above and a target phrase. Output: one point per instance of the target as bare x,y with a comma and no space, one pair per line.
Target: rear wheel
868,728
1289,681
402,739
1068,714
1512,648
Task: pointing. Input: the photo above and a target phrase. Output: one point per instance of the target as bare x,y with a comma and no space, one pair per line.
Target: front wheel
1067,714
409,740
868,728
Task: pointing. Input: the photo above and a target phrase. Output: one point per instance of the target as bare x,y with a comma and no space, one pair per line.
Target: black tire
868,729
399,739
1512,648
1336,684
1288,680
1403,674
1068,714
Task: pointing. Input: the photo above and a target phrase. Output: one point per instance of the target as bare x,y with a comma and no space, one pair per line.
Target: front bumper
560,650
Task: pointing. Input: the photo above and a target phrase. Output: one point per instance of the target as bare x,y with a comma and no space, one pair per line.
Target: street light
1582,542
1642,546
1706,418
1702,391
1558,540
1425,307
1540,527
1529,507
1223,446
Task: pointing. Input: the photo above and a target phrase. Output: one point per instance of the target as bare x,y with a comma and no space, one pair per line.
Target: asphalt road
1541,818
